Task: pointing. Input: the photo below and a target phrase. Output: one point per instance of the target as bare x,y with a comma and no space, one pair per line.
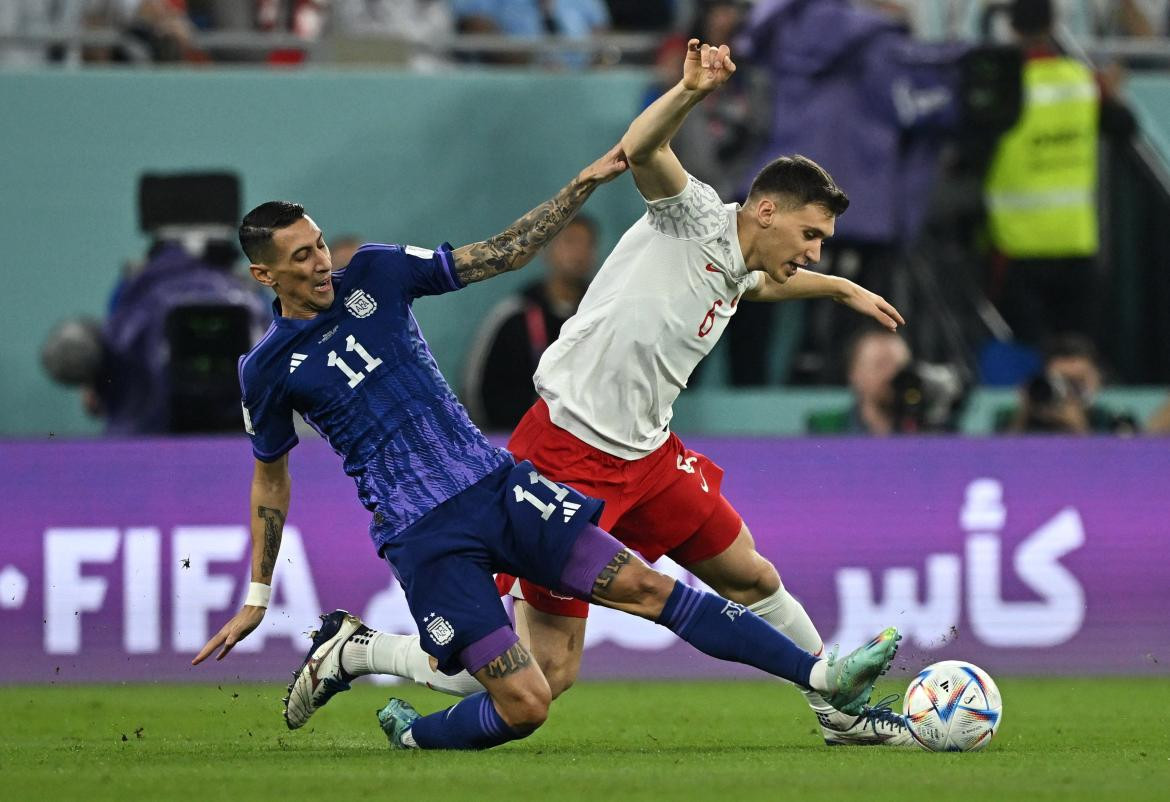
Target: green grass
1099,739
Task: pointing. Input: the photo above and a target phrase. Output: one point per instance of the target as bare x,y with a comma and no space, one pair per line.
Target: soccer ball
953,706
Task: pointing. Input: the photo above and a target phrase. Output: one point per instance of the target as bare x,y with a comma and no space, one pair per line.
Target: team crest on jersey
439,629
360,304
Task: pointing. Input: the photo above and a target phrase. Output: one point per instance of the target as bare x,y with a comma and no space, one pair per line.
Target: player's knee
767,578
526,710
751,582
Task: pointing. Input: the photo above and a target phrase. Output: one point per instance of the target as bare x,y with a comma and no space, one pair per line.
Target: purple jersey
362,375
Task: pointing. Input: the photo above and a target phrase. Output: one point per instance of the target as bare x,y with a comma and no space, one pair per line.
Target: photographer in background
164,361
1061,399
891,393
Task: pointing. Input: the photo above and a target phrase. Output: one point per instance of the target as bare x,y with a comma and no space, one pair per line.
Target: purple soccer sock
730,631
472,723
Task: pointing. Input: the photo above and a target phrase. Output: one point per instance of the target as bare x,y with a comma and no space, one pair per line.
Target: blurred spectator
855,92
873,359
1062,398
156,30
531,19
1102,18
1040,189
497,385
306,19
342,249
177,324
422,24
643,15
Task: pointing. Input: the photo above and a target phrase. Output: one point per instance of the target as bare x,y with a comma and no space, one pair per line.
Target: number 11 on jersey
355,376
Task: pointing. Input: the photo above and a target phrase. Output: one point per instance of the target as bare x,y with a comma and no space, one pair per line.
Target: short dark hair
258,226
1070,346
1031,17
800,181
859,338
587,221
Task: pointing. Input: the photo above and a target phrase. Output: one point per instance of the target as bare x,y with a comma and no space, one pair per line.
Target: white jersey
657,306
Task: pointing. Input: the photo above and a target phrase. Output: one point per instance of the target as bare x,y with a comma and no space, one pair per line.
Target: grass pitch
1065,739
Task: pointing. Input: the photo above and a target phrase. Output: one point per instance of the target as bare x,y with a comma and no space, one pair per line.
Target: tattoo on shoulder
509,662
610,571
518,243
273,526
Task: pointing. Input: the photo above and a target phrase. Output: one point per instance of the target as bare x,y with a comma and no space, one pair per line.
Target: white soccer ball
953,706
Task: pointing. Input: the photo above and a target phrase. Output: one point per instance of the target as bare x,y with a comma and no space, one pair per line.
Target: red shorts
667,502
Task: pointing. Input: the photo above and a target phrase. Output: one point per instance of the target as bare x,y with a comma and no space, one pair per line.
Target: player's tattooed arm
516,245
509,662
271,486
273,522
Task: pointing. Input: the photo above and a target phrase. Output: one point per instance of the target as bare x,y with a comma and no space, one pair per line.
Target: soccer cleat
851,677
396,718
875,726
321,676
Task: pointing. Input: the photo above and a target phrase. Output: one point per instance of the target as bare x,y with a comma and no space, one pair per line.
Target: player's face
300,270
790,239
572,254
878,359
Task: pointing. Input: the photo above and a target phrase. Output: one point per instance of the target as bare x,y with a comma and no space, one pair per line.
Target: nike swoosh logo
316,661
712,269
702,480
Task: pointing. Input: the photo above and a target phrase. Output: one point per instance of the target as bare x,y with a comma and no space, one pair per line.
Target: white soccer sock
376,652
818,678
786,614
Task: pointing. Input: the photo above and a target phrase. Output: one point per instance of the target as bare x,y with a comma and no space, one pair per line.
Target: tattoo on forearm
518,243
509,662
610,571
273,526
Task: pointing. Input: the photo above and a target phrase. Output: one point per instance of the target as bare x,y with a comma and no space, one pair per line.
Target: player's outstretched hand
706,66
873,305
607,168
234,631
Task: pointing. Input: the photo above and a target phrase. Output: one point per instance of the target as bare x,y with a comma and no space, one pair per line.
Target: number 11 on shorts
546,510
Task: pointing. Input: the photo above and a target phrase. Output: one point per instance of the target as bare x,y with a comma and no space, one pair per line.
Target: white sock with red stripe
786,614
376,652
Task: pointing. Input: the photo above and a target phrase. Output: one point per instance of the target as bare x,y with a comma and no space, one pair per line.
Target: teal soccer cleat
851,677
396,719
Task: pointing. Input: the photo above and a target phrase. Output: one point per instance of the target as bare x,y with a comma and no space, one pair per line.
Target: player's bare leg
556,641
742,574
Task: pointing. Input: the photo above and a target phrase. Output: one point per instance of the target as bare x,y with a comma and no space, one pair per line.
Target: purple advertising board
118,559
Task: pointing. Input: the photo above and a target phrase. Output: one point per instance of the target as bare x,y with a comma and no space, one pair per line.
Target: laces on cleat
883,713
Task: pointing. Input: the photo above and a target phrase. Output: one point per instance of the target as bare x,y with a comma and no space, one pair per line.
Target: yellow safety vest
1041,187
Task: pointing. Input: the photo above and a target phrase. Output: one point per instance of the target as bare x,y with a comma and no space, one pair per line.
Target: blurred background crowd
1007,196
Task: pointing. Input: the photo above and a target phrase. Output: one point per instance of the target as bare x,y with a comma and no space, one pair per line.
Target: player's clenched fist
706,66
